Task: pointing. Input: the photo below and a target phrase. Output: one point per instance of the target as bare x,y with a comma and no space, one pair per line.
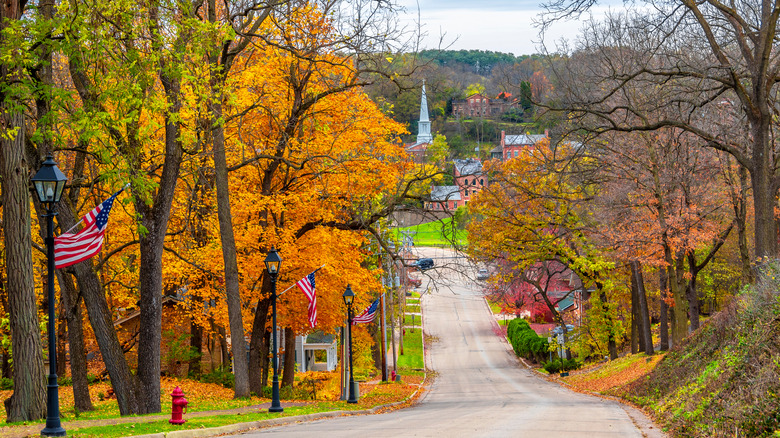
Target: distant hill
481,60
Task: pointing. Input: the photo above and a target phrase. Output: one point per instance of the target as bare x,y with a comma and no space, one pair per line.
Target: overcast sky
497,25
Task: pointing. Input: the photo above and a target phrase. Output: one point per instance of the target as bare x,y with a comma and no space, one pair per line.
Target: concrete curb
241,427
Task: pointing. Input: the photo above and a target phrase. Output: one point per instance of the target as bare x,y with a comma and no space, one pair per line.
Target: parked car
425,264
483,274
558,330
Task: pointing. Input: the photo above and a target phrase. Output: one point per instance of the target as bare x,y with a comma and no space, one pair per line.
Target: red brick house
469,179
479,105
511,145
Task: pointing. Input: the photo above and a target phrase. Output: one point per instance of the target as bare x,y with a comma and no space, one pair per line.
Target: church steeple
424,125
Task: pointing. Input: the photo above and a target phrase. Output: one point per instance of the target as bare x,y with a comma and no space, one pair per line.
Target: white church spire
424,125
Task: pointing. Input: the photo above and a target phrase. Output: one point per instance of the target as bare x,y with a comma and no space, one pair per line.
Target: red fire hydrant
178,406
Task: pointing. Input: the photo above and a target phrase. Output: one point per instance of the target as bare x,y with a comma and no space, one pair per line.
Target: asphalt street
480,388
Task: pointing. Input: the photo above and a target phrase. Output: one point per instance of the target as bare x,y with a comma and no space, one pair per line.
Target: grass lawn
410,320
413,352
437,233
206,397
412,308
494,307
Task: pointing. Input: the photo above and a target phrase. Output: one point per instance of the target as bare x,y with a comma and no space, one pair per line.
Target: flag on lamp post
306,285
71,248
368,315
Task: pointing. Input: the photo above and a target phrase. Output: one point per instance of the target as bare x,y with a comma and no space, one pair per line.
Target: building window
481,182
466,181
516,154
466,193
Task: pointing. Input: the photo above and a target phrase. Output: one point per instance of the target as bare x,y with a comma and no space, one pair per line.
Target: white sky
497,25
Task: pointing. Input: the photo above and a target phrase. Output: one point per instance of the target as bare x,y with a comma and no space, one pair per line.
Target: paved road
481,390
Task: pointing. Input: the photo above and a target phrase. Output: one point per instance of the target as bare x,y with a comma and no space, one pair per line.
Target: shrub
525,341
6,383
220,376
558,365
552,366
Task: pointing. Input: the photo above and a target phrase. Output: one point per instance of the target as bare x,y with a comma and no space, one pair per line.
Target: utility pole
382,326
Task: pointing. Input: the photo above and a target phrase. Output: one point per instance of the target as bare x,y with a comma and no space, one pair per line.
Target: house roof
167,299
523,139
470,166
417,146
445,193
565,303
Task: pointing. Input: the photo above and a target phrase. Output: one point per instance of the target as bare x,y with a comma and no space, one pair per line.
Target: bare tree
695,55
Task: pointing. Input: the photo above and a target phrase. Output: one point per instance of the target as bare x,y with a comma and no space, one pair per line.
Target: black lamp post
49,182
272,264
349,296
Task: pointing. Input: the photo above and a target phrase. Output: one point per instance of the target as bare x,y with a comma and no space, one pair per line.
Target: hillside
724,380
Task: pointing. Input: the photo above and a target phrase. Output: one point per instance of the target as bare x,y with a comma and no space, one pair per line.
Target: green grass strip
413,351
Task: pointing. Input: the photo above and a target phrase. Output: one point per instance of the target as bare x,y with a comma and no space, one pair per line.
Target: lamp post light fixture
349,297
49,182
273,264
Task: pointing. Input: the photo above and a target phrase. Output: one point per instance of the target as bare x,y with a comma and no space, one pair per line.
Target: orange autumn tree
308,157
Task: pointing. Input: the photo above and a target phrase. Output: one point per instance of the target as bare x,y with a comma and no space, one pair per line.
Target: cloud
511,31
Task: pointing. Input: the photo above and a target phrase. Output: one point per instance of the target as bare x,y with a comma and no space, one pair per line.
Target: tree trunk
288,370
28,400
265,353
258,351
692,294
232,291
222,338
78,356
155,218
663,323
645,330
676,284
761,175
196,345
635,318
740,214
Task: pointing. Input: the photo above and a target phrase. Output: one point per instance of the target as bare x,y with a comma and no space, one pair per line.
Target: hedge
525,341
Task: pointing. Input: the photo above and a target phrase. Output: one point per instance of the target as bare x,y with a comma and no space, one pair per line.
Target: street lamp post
49,182
349,296
272,264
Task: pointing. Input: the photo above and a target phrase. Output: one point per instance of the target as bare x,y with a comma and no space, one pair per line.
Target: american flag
368,315
306,284
71,248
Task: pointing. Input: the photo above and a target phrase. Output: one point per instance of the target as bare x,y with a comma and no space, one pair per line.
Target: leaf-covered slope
724,379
